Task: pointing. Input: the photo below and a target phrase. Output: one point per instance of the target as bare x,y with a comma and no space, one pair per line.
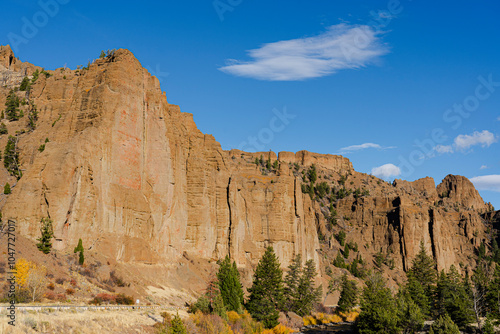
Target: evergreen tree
411,318
45,243
32,117
493,296
348,294
230,286
25,84
36,74
79,248
423,270
6,189
488,327
266,293
11,157
415,291
177,326
444,325
454,297
3,129
480,281
291,290
309,295
378,308
312,174
12,106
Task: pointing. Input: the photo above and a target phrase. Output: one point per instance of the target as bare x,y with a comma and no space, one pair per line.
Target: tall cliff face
133,177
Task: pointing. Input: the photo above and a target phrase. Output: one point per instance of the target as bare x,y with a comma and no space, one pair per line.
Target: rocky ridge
132,175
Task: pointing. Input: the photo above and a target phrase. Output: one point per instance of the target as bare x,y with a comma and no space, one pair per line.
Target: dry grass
82,322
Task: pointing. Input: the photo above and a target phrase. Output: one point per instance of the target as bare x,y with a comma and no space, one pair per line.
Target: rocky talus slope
134,178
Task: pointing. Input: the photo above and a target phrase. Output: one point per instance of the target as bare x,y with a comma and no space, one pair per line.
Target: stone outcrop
132,175
458,189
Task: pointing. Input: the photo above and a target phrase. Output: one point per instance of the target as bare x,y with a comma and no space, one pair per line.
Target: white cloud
352,148
498,118
484,138
464,142
342,46
487,182
441,149
386,171
483,167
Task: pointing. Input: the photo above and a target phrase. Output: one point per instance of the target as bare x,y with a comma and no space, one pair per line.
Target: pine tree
348,294
423,270
415,291
454,297
411,318
444,325
230,286
378,308
177,326
79,248
309,295
25,84
291,291
266,293
45,243
3,129
12,106
493,296
11,157
32,117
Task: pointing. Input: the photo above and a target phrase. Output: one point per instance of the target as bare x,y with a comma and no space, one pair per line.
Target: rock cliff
131,175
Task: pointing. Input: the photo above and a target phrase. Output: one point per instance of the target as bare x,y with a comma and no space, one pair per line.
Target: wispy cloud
483,167
441,149
487,182
342,46
364,146
386,171
465,142
498,118
484,138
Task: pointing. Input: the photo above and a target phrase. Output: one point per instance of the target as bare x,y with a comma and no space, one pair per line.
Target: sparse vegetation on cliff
11,157
44,242
12,111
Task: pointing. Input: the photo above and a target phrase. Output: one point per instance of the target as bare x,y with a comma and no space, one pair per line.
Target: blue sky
405,89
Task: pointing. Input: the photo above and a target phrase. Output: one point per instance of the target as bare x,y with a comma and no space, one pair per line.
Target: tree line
270,293
453,301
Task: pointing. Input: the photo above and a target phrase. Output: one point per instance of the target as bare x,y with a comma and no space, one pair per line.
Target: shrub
105,298
72,282
3,129
124,300
341,237
6,189
60,280
116,280
50,295
70,291
51,286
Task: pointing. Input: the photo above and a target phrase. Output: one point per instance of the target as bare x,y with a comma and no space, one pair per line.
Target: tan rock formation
133,177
